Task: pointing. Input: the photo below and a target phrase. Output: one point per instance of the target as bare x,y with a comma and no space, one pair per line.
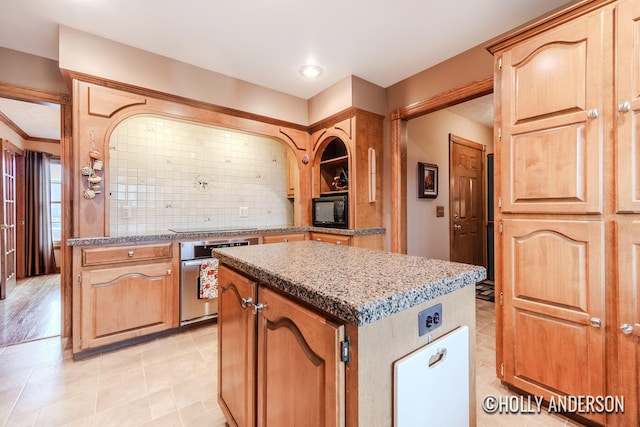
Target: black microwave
331,211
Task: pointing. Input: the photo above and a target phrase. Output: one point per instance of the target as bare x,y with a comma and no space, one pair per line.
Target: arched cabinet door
551,133
554,299
299,369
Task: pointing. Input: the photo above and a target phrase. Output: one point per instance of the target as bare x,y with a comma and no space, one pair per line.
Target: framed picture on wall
427,180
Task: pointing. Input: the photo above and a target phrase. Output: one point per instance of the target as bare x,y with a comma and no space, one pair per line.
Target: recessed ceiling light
310,71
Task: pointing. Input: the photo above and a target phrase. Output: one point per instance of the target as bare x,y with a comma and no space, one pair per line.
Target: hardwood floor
31,311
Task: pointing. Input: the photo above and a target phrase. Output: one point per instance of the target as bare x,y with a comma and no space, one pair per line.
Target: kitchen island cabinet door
236,347
300,375
123,303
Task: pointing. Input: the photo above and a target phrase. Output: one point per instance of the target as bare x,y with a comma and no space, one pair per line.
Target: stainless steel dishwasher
192,254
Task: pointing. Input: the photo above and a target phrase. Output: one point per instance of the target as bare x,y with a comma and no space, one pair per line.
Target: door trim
28,94
398,213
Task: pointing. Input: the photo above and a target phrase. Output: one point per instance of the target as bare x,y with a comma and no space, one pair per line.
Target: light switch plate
429,319
439,211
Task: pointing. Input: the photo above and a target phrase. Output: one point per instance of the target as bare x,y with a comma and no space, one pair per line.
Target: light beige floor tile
161,352
195,390
130,414
67,411
117,363
120,393
172,419
162,403
192,411
175,371
22,419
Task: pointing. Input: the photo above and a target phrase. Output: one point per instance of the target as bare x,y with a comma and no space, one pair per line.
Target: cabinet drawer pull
319,239
626,329
286,240
169,271
593,114
130,253
338,242
623,107
257,308
595,322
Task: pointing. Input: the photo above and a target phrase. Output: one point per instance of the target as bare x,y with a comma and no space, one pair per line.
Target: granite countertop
356,285
204,234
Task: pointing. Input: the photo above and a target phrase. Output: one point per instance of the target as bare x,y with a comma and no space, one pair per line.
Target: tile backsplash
166,173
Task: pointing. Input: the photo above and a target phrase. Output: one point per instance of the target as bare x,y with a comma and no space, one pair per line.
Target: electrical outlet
244,212
429,319
125,212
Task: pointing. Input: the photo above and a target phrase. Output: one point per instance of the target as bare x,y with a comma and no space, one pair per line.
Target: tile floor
166,382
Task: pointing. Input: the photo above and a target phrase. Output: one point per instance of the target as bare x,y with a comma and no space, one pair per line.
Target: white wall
428,142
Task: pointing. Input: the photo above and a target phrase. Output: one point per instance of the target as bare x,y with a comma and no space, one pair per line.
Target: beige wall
30,71
428,142
7,133
472,65
96,56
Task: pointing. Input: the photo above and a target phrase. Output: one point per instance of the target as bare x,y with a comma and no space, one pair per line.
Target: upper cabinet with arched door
347,159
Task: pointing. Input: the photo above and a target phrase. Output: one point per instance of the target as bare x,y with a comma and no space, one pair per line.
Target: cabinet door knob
130,253
169,271
595,322
593,114
319,239
257,308
286,240
626,329
623,107
246,302
338,242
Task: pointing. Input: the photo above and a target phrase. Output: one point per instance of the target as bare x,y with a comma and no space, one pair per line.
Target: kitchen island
313,330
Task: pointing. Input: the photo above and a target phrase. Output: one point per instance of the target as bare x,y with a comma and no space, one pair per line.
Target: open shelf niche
334,168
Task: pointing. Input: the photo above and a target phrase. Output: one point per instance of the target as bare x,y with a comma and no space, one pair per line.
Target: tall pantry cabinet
567,199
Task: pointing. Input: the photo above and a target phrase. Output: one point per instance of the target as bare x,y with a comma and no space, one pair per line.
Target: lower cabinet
279,238
284,355
338,239
122,299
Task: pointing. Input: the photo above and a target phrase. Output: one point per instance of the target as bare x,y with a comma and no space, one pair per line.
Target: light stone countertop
204,234
356,285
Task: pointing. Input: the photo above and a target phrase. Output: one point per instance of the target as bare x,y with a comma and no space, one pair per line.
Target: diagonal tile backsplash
166,173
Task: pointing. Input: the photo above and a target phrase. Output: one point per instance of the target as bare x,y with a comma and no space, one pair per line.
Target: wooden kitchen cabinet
288,237
628,356
338,239
284,354
347,141
566,206
236,347
123,297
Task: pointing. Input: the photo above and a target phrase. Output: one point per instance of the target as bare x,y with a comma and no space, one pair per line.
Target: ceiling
267,41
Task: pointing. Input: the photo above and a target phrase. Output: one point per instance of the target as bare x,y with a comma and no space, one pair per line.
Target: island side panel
379,344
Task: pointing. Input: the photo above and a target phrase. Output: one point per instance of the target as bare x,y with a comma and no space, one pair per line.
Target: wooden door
466,201
119,303
300,376
551,132
628,366
236,347
554,300
8,224
628,104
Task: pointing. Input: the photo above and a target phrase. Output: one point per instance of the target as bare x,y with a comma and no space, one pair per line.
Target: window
56,200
